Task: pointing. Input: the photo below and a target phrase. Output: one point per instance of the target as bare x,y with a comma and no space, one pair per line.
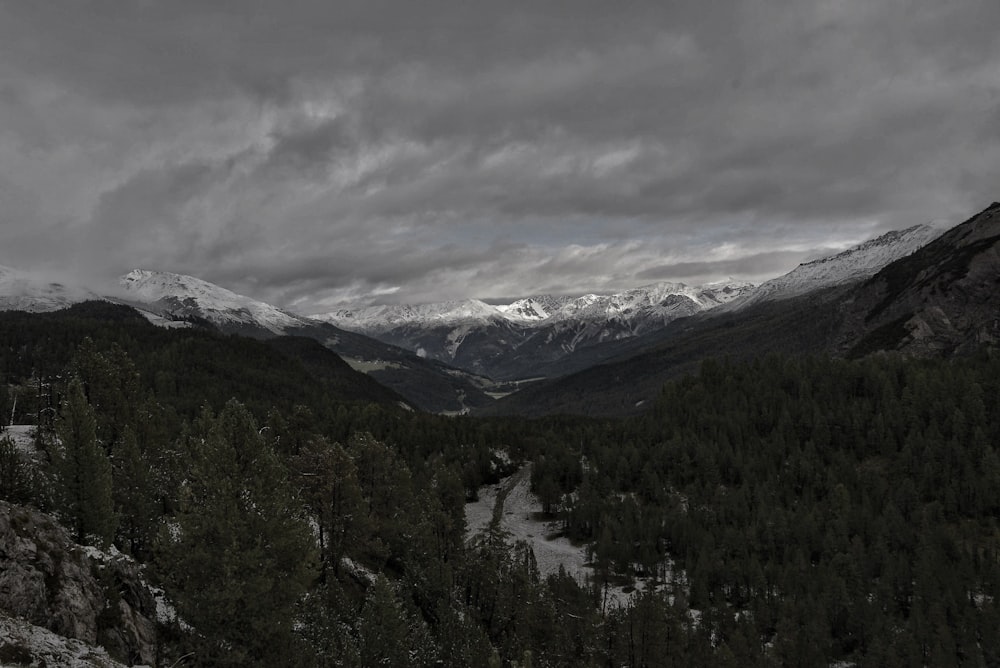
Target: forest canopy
784,510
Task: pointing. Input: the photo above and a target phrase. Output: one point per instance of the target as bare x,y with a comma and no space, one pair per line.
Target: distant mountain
449,356
178,298
23,291
183,297
942,298
173,300
531,335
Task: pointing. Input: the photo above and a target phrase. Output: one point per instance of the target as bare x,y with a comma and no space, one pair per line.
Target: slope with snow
861,261
533,309
654,300
510,341
25,644
183,296
518,510
380,318
24,291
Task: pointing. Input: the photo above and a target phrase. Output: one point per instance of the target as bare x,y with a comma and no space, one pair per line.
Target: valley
783,477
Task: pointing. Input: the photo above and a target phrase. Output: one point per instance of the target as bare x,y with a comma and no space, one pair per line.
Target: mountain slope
851,265
185,296
634,371
23,291
530,336
942,299
425,384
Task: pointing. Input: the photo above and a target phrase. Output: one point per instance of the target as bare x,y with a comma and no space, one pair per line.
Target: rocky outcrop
80,593
24,644
942,300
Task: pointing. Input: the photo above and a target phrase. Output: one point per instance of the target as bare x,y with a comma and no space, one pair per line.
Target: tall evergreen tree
136,501
328,479
240,556
83,471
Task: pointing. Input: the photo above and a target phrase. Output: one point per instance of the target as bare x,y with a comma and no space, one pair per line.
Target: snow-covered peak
189,296
25,291
855,263
657,301
531,309
715,294
465,311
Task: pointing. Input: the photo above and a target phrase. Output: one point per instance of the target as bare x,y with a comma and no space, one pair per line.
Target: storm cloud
311,152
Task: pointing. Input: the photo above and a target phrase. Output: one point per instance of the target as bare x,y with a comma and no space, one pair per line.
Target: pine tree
328,479
390,633
83,471
240,556
136,503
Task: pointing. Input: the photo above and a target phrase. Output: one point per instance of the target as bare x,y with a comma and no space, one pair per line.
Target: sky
314,152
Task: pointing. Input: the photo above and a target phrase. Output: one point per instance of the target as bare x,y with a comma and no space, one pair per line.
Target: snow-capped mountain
182,296
507,341
532,309
525,338
534,334
24,291
651,302
853,264
659,299
375,318
175,297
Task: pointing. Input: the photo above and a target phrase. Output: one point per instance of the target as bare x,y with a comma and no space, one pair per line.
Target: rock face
942,300
24,644
72,591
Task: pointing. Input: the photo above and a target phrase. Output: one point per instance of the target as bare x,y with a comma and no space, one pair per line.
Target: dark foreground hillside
784,510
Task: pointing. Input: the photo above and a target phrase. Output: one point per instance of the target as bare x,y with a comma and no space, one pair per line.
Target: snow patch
861,261
23,436
37,646
181,295
358,571
520,509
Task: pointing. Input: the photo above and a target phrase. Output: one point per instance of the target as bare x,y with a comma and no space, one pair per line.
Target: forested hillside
777,511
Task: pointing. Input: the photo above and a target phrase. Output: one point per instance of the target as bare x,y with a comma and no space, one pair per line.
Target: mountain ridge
461,348
943,299
855,263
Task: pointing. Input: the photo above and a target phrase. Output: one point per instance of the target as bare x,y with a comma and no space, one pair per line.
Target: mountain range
569,353
942,299
549,336
530,336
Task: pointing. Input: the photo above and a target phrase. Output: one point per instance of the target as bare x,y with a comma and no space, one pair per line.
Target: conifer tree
240,556
390,633
136,500
328,479
83,471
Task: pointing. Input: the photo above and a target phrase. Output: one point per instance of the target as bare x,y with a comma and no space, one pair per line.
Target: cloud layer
310,152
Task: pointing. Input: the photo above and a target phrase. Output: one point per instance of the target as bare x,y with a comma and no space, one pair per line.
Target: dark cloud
310,151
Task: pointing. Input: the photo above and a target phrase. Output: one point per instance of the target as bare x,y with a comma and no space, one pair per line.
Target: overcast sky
309,152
